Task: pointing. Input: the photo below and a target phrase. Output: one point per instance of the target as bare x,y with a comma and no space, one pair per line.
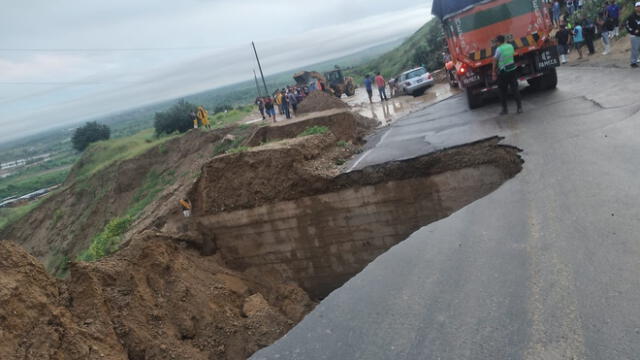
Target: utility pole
260,67
257,85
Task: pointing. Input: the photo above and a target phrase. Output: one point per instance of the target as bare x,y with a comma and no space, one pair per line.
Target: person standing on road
555,12
278,101
285,105
632,24
504,71
269,107
578,39
368,84
563,36
293,100
589,32
260,103
381,84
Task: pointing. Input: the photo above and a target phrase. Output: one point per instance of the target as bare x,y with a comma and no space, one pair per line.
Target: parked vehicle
470,28
415,81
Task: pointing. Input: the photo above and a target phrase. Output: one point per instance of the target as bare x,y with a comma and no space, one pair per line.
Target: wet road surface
546,267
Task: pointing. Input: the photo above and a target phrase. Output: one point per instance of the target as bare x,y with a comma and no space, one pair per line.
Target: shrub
89,133
107,241
177,118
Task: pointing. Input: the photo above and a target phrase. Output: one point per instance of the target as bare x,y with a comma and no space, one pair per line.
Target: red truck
470,28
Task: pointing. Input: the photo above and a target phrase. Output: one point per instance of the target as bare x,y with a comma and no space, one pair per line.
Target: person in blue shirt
368,84
578,39
613,12
555,12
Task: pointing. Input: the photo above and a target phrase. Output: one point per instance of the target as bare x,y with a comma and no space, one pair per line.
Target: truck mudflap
546,59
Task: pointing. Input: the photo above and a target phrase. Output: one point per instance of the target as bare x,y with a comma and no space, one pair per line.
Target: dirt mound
35,320
345,125
320,101
156,299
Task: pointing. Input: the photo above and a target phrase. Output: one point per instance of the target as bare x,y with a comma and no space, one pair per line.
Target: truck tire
550,79
474,100
545,82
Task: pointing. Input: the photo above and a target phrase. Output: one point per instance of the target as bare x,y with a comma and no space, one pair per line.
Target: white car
415,82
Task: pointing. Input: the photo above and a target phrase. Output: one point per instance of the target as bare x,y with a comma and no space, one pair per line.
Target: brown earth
65,222
173,291
155,299
320,101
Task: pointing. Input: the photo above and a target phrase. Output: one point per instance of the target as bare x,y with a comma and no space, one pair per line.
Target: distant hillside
422,48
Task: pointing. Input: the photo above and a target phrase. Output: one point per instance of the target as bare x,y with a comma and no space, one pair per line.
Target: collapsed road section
273,229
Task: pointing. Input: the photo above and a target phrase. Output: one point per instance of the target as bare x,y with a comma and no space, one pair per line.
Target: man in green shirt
504,69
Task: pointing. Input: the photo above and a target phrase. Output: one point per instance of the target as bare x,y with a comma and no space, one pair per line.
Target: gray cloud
212,38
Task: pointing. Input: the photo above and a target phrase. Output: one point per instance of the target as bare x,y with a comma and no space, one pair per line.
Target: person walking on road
578,39
504,71
270,108
368,84
613,12
605,26
632,24
381,84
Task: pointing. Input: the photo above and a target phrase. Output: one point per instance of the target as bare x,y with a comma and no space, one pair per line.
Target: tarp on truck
444,8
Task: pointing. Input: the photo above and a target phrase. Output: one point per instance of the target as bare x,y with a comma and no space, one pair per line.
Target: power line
107,49
64,83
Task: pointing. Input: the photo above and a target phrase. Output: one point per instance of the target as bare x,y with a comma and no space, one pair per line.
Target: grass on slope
104,153
10,215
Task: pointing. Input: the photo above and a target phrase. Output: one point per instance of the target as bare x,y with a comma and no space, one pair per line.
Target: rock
255,304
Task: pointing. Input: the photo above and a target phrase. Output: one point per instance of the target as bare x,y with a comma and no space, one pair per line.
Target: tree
89,133
177,118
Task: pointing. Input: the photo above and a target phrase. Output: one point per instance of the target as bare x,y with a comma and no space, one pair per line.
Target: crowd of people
283,101
577,30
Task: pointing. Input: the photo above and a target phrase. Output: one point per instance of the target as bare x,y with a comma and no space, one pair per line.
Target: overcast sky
64,61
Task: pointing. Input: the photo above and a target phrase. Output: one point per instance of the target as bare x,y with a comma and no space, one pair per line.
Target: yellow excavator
332,81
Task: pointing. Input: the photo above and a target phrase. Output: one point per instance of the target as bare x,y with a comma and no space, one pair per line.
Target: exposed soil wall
156,299
319,230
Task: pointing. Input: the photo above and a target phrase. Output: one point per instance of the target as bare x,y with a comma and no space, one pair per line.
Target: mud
389,111
344,124
273,228
320,101
318,230
156,299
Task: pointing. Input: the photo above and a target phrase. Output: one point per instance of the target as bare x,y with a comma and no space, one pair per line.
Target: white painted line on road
384,136
359,160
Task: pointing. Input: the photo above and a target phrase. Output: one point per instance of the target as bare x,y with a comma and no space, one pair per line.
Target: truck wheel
550,79
474,100
545,82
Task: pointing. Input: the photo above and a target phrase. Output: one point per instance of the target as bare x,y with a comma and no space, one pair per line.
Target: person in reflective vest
504,70
203,116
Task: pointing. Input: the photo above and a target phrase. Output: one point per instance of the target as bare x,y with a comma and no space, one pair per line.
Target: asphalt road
546,267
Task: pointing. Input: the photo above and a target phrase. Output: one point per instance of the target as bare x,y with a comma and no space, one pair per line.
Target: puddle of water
389,111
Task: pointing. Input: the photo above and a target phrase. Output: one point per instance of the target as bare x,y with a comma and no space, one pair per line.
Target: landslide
155,299
320,101
64,224
160,296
